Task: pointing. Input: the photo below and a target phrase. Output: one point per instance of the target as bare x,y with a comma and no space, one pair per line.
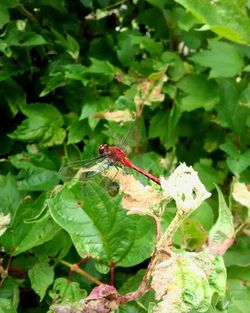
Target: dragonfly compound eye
103,148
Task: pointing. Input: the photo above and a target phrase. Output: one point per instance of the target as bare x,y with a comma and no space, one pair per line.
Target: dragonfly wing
81,170
89,172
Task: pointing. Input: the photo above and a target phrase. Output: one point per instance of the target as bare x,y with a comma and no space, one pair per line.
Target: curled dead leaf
150,90
120,116
137,198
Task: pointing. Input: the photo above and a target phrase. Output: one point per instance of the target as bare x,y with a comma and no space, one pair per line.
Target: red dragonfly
117,156
108,156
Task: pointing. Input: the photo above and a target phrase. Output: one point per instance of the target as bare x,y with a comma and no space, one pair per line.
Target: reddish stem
6,271
112,273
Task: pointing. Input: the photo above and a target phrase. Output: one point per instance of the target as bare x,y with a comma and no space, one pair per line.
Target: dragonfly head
103,149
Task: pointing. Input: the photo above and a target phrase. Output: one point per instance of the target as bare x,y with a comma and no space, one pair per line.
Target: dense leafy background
74,74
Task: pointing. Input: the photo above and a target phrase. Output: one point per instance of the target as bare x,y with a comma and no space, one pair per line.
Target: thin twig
4,274
83,260
77,269
167,237
27,13
112,273
157,227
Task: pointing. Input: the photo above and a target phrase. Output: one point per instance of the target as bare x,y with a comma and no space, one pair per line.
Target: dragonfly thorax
113,153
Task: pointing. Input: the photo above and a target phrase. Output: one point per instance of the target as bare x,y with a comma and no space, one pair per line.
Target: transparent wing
129,137
91,172
82,170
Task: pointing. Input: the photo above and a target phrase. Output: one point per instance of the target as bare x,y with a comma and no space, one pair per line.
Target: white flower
185,187
4,222
241,194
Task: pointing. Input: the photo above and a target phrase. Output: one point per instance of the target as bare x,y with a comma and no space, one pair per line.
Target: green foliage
76,74
97,232
42,125
41,276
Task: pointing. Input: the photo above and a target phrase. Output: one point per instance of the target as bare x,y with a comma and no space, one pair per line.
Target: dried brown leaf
120,116
137,198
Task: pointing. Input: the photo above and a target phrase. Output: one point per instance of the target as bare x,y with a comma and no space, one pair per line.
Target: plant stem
77,269
168,236
27,13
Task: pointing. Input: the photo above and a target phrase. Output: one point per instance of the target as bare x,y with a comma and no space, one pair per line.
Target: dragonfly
108,156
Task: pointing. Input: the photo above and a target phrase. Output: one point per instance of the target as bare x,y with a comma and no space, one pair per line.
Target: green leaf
5,307
154,19
227,19
131,285
240,294
132,43
69,44
77,72
30,39
9,296
8,69
230,113
41,276
238,254
36,157
133,282
240,163
245,97
4,15
52,82
238,272
171,66
201,93
193,235
101,67
88,110
57,248
204,215
77,131
35,178
221,236
87,3
13,99
24,233
237,162
64,291
42,125
9,195
58,5
158,122
99,227
11,3
223,59
158,3
60,76
126,51
39,180
199,279
148,44
176,65
16,35
73,47
208,174
4,12
238,288
39,170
